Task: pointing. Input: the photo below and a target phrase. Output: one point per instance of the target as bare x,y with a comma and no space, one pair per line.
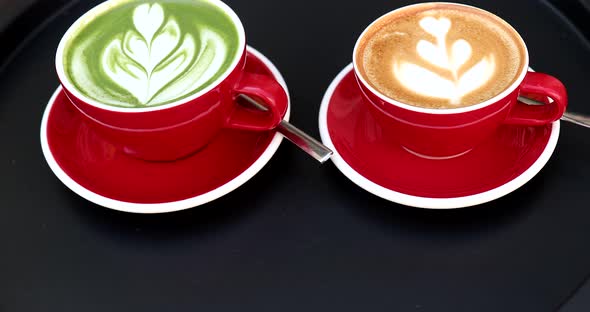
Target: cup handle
539,86
266,89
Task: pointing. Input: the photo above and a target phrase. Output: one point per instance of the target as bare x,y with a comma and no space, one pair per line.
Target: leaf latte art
144,54
153,56
440,56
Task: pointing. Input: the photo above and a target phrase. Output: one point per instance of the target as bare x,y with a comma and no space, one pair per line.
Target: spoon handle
308,144
305,142
577,119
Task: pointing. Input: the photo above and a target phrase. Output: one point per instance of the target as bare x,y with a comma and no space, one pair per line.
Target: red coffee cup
445,133
175,130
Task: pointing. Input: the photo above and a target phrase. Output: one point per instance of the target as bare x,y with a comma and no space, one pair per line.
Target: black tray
298,236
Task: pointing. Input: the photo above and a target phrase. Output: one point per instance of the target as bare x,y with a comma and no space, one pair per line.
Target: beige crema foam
440,56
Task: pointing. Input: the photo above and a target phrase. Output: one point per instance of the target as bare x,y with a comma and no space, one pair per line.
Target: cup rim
102,7
443,111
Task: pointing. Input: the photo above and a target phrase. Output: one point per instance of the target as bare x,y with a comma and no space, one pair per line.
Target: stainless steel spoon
576,118
308,144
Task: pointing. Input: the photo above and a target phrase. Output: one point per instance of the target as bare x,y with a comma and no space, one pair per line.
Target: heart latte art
426,82
440,56
146,53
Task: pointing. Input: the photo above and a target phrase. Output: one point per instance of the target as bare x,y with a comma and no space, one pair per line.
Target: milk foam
440,58
427,83
155,60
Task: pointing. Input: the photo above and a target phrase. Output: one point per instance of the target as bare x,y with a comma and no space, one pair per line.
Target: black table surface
299,235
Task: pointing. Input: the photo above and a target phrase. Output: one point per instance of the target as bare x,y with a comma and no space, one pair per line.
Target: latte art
152,56
425,82
149,54
440,56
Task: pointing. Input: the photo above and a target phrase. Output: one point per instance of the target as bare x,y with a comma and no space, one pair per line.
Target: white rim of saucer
175,205
426,202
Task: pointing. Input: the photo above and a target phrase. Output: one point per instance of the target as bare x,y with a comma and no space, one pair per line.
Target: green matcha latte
148,53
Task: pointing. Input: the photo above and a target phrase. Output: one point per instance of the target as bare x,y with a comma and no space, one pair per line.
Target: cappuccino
440,55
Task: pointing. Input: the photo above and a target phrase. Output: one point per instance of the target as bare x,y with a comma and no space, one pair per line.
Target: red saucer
93,168
491,170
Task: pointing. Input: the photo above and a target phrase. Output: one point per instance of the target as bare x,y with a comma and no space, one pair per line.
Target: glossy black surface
298,236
